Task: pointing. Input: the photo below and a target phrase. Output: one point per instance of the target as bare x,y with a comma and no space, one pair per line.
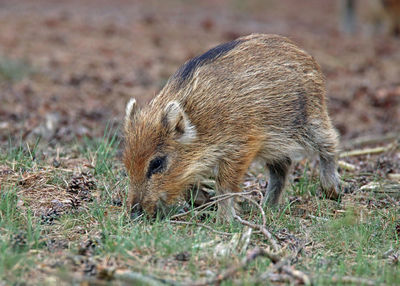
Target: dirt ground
68,68
87,58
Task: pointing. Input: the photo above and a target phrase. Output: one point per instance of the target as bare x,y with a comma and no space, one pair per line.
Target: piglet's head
158,155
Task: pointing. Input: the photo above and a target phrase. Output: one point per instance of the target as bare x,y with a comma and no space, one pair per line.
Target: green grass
339,238
19,234
102,151
13,70
356,246
18,155
19,231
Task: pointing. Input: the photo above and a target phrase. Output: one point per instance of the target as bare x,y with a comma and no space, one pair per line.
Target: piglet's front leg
230,175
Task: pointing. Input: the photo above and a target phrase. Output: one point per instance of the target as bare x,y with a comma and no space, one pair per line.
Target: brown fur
262,97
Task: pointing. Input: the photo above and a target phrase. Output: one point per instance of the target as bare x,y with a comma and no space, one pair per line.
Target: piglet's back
256,82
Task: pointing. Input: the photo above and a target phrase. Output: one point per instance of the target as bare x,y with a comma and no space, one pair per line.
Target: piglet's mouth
161,211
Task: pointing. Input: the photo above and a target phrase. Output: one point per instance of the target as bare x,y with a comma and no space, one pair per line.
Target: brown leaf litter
49,192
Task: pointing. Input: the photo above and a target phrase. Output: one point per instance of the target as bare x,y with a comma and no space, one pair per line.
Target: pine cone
81,185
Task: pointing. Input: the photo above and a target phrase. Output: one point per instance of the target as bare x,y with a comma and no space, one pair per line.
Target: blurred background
67,68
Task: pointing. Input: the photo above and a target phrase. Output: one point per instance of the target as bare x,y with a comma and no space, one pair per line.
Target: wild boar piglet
257,97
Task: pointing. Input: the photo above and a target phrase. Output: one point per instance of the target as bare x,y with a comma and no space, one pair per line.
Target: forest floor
68,68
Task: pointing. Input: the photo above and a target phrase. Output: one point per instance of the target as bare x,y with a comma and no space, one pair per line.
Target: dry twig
394,177
374,139
214,201
368,151
251,255
279,265
290,273
135,278
347,166
352,280
261,227
201,225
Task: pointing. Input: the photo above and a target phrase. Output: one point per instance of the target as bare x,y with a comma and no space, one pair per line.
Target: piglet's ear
130,111
177,122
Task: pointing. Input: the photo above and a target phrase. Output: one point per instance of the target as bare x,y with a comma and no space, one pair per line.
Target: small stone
183,256
56,163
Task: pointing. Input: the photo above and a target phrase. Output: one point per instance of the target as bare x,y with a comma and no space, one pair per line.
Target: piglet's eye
157,165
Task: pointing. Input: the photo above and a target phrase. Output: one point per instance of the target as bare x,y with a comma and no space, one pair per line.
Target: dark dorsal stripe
186,71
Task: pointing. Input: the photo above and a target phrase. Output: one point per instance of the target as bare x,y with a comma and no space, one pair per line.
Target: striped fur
259,97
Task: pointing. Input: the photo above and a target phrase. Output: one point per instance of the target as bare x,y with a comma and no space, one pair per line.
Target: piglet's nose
136,211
